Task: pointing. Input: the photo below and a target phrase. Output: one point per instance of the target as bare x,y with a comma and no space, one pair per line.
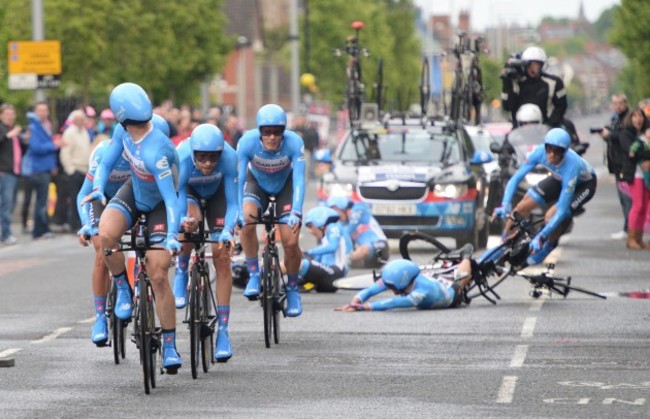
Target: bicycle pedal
205,331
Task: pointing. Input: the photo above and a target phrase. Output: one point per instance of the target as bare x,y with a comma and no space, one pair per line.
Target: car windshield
528,135
482,141
402,147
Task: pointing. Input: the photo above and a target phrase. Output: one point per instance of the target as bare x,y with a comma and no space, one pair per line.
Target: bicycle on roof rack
467,90
494,265
354,87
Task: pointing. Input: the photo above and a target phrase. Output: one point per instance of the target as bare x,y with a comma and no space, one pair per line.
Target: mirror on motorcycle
580,148
496,147
480,157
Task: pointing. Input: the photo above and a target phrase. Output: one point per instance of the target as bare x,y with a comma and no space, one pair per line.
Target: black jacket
6,150
546,91
627,137
615,153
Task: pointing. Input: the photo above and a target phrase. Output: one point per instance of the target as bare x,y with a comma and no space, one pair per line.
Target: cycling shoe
224,351
180,289
294,304
252,290
171,360
100,331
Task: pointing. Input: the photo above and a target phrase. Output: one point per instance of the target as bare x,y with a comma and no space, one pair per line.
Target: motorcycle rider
532,85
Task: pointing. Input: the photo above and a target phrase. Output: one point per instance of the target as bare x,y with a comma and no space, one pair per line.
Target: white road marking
519,357
528,327
536,305
8,352
507,389
88,320
58,332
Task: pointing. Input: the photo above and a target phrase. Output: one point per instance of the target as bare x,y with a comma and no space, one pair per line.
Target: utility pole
38,34
295,57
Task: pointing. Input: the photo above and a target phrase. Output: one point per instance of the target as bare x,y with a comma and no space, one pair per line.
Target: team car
414,174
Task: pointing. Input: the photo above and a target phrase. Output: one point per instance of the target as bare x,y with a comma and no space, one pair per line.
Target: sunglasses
559,151
206,156
268,131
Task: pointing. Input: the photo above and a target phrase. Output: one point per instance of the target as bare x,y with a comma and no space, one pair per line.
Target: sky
487,13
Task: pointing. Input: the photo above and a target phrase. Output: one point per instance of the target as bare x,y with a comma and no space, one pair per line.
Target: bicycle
467,83
354,88
272,296
146,335
200,313
425,87
494,265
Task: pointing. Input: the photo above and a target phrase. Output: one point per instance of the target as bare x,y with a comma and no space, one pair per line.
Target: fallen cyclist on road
571,185
415,287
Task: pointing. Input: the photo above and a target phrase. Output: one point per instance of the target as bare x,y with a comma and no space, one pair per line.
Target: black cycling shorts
550,188
254,192
215,207
322,276
124,200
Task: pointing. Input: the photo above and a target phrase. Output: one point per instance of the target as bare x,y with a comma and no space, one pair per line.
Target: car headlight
337,188
450,190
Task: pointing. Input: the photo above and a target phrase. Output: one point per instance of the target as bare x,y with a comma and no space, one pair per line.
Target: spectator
74,156
310,138
106,123
10,159
615,157
231,131
214,116
42,153
634,126
184,127
91,122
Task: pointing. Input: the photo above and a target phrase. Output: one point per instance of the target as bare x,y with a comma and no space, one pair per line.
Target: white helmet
533,54
529,113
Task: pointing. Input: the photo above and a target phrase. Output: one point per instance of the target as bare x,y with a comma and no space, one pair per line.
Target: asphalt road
524,358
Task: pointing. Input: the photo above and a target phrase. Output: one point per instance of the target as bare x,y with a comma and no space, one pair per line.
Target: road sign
34,57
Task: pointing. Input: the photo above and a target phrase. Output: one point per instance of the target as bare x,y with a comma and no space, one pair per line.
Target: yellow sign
34,57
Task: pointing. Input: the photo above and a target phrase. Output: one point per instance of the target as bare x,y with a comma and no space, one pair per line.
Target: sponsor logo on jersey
159,227
219,221
202,180
271,165
137,166
286,207
161,164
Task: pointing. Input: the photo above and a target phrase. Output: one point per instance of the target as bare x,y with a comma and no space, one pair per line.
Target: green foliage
389,34
604,23
631,33
566,47
166,46
490,70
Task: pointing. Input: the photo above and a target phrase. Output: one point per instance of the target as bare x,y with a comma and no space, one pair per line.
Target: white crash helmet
529,113
533,54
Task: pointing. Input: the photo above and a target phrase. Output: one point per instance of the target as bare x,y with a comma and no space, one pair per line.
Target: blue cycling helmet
271,115
208,138
321,216
130,104
341,202
160,123
399,274
558,137
323,155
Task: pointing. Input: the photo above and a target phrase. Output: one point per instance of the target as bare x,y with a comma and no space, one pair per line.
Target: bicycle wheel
278,300
143,332
207,332
115,327
354,93
379,84
267,297
420,247
195,320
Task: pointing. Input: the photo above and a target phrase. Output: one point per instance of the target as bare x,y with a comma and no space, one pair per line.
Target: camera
514,66
597,130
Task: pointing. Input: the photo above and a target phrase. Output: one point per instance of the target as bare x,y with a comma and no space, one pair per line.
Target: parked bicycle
146,335
494,265
200,313
354,87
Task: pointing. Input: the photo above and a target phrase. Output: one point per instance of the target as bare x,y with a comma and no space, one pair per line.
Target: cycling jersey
572,171
206,186
154,170
271,169
363,227
427,293
116,179
332,249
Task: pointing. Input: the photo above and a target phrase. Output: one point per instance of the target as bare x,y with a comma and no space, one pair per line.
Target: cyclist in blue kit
328,261
572,184
151,189
90,212
208,173
272,162
415,288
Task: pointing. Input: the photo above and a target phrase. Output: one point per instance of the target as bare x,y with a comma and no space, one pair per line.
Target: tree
166,46
631,33
389,33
